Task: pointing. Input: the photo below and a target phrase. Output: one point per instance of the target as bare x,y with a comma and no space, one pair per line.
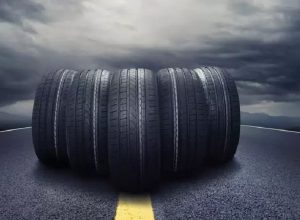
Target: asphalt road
263,181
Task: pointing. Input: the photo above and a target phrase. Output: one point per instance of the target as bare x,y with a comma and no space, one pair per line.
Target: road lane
262,181
29,190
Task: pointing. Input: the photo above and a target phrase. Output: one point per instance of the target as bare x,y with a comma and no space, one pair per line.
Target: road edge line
15,129
273,129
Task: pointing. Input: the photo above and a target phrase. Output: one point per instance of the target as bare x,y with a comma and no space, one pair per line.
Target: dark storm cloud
15,11
266,69
20,71
16,81
258,45
269,71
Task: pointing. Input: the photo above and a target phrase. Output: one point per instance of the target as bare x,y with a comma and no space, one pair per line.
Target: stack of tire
135,125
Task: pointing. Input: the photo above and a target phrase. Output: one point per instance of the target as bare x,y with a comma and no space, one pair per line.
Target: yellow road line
132,207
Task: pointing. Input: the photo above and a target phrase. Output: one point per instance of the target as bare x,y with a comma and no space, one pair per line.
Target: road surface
263,181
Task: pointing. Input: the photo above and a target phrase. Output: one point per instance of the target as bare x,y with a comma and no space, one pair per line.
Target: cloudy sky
258,41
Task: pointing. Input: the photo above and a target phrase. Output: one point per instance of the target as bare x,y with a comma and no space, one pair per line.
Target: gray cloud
244,8
15,83
15,11
258,42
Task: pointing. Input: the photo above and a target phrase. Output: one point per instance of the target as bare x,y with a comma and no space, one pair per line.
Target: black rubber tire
87,122
184,119
134,139
224,113
48,117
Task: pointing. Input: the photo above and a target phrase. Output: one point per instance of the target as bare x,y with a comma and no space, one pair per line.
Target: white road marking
14,129
273,129
252,126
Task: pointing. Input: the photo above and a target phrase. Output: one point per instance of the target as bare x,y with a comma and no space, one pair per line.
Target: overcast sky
258,41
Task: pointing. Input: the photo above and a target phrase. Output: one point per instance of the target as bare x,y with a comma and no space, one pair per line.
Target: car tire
183,113
134,138
48,118
87,122
224,113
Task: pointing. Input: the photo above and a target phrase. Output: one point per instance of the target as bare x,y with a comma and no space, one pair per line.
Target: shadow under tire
224,113
183,113
48,117
134,138
87,122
